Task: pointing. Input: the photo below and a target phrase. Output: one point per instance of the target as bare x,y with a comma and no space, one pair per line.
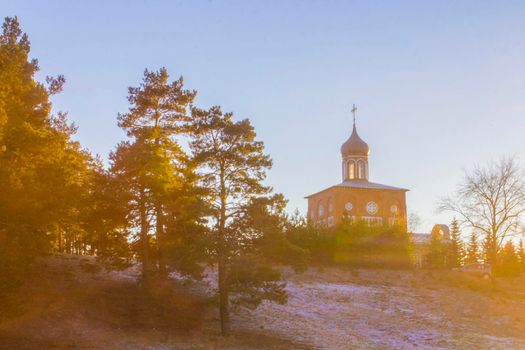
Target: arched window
360,169
320,211
351,169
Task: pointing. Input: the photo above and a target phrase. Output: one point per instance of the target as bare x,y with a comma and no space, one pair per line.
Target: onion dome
355,146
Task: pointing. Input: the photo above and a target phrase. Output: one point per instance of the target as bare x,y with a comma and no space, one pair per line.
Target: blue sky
440,85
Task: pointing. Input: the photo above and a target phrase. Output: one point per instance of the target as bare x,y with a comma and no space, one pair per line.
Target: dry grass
72,303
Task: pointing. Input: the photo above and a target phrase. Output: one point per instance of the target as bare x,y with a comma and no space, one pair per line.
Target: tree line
454,251
490,202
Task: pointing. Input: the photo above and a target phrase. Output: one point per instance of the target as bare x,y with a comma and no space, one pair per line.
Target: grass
70,302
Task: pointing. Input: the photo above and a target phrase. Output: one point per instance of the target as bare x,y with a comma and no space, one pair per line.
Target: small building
356,197
421,242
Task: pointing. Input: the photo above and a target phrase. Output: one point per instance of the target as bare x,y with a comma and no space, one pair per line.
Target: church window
348,206
371,208
372,220
393,221
351,169
393,209
360,170
321,210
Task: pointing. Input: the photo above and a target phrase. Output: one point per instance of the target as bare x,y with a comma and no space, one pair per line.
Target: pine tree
486,247
43,173
472,256
185,244
158,112
233,166
129,172
435,257
456,248
104,218
509,264
521,256
267,221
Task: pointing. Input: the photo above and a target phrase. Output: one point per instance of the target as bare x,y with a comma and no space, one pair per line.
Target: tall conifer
456,247
472,256
156,117
233,166
521,255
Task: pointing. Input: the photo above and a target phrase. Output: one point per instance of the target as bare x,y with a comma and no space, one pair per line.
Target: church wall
338,197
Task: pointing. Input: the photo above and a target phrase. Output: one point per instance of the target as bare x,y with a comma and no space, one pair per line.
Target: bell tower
355,156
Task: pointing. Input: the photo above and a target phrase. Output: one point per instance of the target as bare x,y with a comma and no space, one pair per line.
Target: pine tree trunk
60,246
159,229
144,236
160,238
224,308
224,301
67,236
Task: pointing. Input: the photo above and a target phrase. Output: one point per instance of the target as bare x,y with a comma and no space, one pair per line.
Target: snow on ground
367,309
69,305
339,314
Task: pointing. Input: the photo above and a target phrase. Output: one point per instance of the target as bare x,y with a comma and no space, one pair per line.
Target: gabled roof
362,184
421,238
426,238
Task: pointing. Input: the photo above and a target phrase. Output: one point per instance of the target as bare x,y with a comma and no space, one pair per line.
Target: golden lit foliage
43,173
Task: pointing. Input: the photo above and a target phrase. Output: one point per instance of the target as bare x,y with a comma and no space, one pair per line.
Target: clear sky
440,85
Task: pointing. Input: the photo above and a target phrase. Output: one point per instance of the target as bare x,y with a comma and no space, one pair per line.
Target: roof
425,238
421,238
355,145
362,184
368,184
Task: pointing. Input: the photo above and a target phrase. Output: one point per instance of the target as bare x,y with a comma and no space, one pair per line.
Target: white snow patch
348,315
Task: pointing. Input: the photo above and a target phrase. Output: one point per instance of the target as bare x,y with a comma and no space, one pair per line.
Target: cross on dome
353,110
354,146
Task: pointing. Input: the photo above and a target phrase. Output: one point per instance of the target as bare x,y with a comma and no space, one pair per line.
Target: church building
356,197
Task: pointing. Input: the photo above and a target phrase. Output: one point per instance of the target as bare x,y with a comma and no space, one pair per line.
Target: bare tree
414,222
491,200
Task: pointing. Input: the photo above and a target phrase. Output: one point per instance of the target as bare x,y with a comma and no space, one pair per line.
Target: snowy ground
385,310
69,308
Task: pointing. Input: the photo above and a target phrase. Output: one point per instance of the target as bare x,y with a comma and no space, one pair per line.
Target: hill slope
70,303
335,309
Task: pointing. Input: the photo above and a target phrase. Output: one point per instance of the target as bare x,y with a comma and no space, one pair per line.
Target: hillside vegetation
71,302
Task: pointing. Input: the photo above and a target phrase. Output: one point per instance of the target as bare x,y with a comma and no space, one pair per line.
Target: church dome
355,146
